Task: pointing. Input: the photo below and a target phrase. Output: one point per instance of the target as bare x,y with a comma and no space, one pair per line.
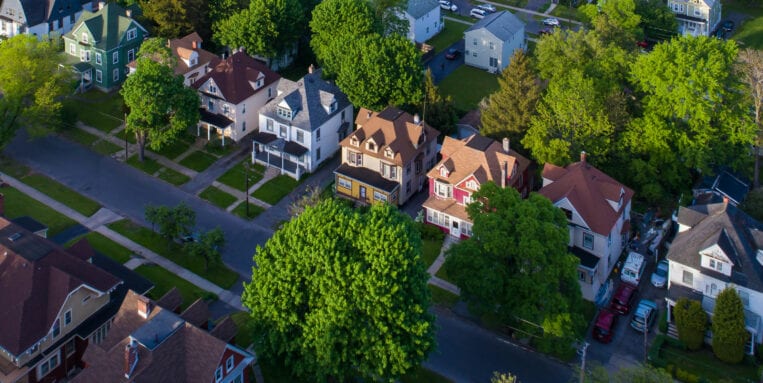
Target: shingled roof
40,11
107,25
235,76
503,25
419,8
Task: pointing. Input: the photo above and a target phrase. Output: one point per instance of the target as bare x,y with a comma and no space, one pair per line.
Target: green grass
274,190
103,111
234,177
421,374
481,84
216,148
566,12
172,176
217,197
450,34
13,168
164,280
750,33
431,251
174,149
63,194
106,148
80,136
218,274
443,297
94,118
254,210
442,274
245,324
198,161
18,204
104,246
148,165
704,364
130,136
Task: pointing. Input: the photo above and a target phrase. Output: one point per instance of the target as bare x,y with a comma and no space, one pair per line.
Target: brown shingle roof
183,47
392,128
588,190
171,300
235,75
225,329
36,277
448,206
197,313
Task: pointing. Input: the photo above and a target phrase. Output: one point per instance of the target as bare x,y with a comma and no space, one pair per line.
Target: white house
717,246
598,211
696,17
424,19
192,60
40,17
303,125
490,42
232,93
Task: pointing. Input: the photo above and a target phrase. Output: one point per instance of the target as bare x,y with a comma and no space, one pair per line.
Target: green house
101,44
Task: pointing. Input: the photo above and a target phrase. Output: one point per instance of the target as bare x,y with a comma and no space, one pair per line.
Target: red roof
235,75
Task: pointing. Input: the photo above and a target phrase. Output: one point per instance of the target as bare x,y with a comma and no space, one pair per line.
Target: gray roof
503,25
40,11
732,230
418,8
307,97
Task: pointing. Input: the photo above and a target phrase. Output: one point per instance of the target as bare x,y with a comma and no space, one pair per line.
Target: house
717,246
465,165
424,19
302,126
490,42
696,17
40,17
148,343
598,212
101,44
386,158
723,185
54,301
233,86
192,61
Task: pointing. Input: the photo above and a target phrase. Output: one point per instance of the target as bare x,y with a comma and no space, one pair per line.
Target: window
588,241
493,62
71,19
344,183
56,328
491,45
300,136
67,317
443,190
355,158
582,276
389,171
270,92
73,48
98,58
212,88
688,278
226,109
332,107
210,105
115,57
229,364
282,131
568,213
47,366
84,55
474,54
243,108
471,185
474,41
131,34
219,374
243,126
438,218
370,146
609,240
98,79
116,74
100,334
130,55
269,125
318,154
69,348
318,134
467,199
467,229
408,169
716,265
379,196
84,38
283,112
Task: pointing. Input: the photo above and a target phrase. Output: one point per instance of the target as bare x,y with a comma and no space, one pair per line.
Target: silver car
660,275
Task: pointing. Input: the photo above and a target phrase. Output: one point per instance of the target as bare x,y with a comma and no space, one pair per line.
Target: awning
366,176
217,120
587,260
263,138
294,149
691,18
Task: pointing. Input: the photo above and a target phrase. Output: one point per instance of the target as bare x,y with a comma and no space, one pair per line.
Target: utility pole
646,331
125,131
582,353
246,189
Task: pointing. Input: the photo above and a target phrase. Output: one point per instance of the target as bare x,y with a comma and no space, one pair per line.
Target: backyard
450,34
481,84
750,32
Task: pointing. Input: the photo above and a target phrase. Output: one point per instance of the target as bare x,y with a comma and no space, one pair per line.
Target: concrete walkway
437,264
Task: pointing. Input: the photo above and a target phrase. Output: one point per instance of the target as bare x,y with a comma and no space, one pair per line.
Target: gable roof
171,300
418,8
477,156
391,128
588,190
107,25
182,48
40,11
36,278
234,75
309,98
726,226
503,25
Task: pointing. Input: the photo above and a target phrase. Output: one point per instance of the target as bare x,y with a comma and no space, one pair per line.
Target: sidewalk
437,264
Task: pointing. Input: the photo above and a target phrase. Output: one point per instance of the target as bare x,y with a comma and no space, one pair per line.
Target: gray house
490,42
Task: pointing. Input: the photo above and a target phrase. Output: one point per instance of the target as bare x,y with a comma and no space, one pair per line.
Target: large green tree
657,20
691,321
156,49
338,293
519,251
508,111
438,111
334,24
615,21
160,106
31,86
175,18
207,247
753,204
729,332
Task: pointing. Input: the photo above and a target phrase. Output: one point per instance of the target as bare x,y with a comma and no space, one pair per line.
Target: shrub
663,323
691,321
430,232
654,350
686,376
729,333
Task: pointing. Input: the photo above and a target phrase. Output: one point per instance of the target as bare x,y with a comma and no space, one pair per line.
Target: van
477,13
633,268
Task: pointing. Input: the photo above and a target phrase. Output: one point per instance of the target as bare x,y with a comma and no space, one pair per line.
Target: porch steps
672,331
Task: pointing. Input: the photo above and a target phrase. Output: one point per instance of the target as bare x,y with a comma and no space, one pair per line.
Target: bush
729,333
654,350
431,232
663,323
691,321
686,376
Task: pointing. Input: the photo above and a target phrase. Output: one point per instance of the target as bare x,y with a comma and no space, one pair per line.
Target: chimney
416,119
504,173
101,4
169,43
194,45
310,69
144,307
131,357
128,12
506,145
583,156
725,201
2,204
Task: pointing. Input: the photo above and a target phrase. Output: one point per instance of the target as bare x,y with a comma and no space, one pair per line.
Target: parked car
487,7
477,13
623,298
551,21
660,275
546,31
633,268
452,53
727,25
720,34
445,4
644,316
604,326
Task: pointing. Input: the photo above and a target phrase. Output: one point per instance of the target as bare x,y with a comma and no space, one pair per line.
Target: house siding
478,52
710,14
425,27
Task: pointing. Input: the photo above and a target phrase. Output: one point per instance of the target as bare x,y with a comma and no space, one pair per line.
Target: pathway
437,264
523,10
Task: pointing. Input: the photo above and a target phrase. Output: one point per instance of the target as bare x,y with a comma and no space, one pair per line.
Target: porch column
268,152
281,162
222,132
198,129
209,132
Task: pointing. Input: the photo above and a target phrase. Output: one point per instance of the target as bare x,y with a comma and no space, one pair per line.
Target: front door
455,230
363,193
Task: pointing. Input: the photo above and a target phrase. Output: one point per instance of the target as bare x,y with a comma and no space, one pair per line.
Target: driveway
442,67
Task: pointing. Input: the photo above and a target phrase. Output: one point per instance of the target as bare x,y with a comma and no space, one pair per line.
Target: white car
487,7
445,4
478,13
660,275
552,21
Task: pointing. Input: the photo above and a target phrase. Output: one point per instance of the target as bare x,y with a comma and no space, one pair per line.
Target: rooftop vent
14,237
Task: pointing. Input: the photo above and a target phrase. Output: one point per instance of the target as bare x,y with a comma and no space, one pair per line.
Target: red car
623,299
605,326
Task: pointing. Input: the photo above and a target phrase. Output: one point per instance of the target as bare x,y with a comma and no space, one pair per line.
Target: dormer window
444,172
212,88
354,141
716,265
131,34
371,146
389,153
471,185
333,106
84,38
258,84
284,113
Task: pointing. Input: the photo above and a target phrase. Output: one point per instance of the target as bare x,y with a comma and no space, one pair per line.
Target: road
468,353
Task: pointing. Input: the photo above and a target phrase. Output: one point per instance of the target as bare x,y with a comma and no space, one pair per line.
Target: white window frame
229,364
84,38
98,79
67,317
219,374
687,275
73,49
590,236
131,55
379,196
115,57
98,58
73,348
49,364
443,190
115,74
132,33
344,183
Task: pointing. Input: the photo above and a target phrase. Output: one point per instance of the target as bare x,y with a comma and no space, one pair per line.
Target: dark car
604,326
546,31
720,33
646,312
452,54
727,25
623,299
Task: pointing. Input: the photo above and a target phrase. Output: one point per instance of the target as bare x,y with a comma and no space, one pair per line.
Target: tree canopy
175,18
338,293
334,24
207,247
438,111
615,21
657,20
729,332
171,222
750,70
31,86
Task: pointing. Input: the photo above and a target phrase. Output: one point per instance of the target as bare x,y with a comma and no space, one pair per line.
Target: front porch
219,124
272,151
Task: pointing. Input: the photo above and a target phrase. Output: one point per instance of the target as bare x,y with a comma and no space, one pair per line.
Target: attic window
389,153
354,141
132,34
471,185
212,88
568,213
259,83
84,37
284,113
444,172
371,146
333,106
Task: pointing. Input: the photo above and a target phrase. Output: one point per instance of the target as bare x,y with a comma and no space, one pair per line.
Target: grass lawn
103,111
565,12
443,297
13,168
106,147
96,119
18,204
148,165
431,251
63,194
217,197
130,136
442,274
704,364
275,189
174,149
218,274
172,176
254,210
80,136
453,32
245,334
198,161
468,86
216,148
234,177
750,33
164,281
104,246
421,374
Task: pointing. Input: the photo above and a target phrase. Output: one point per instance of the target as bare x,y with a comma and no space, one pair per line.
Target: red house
466,164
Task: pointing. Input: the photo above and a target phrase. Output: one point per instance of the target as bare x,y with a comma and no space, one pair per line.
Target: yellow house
386,158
